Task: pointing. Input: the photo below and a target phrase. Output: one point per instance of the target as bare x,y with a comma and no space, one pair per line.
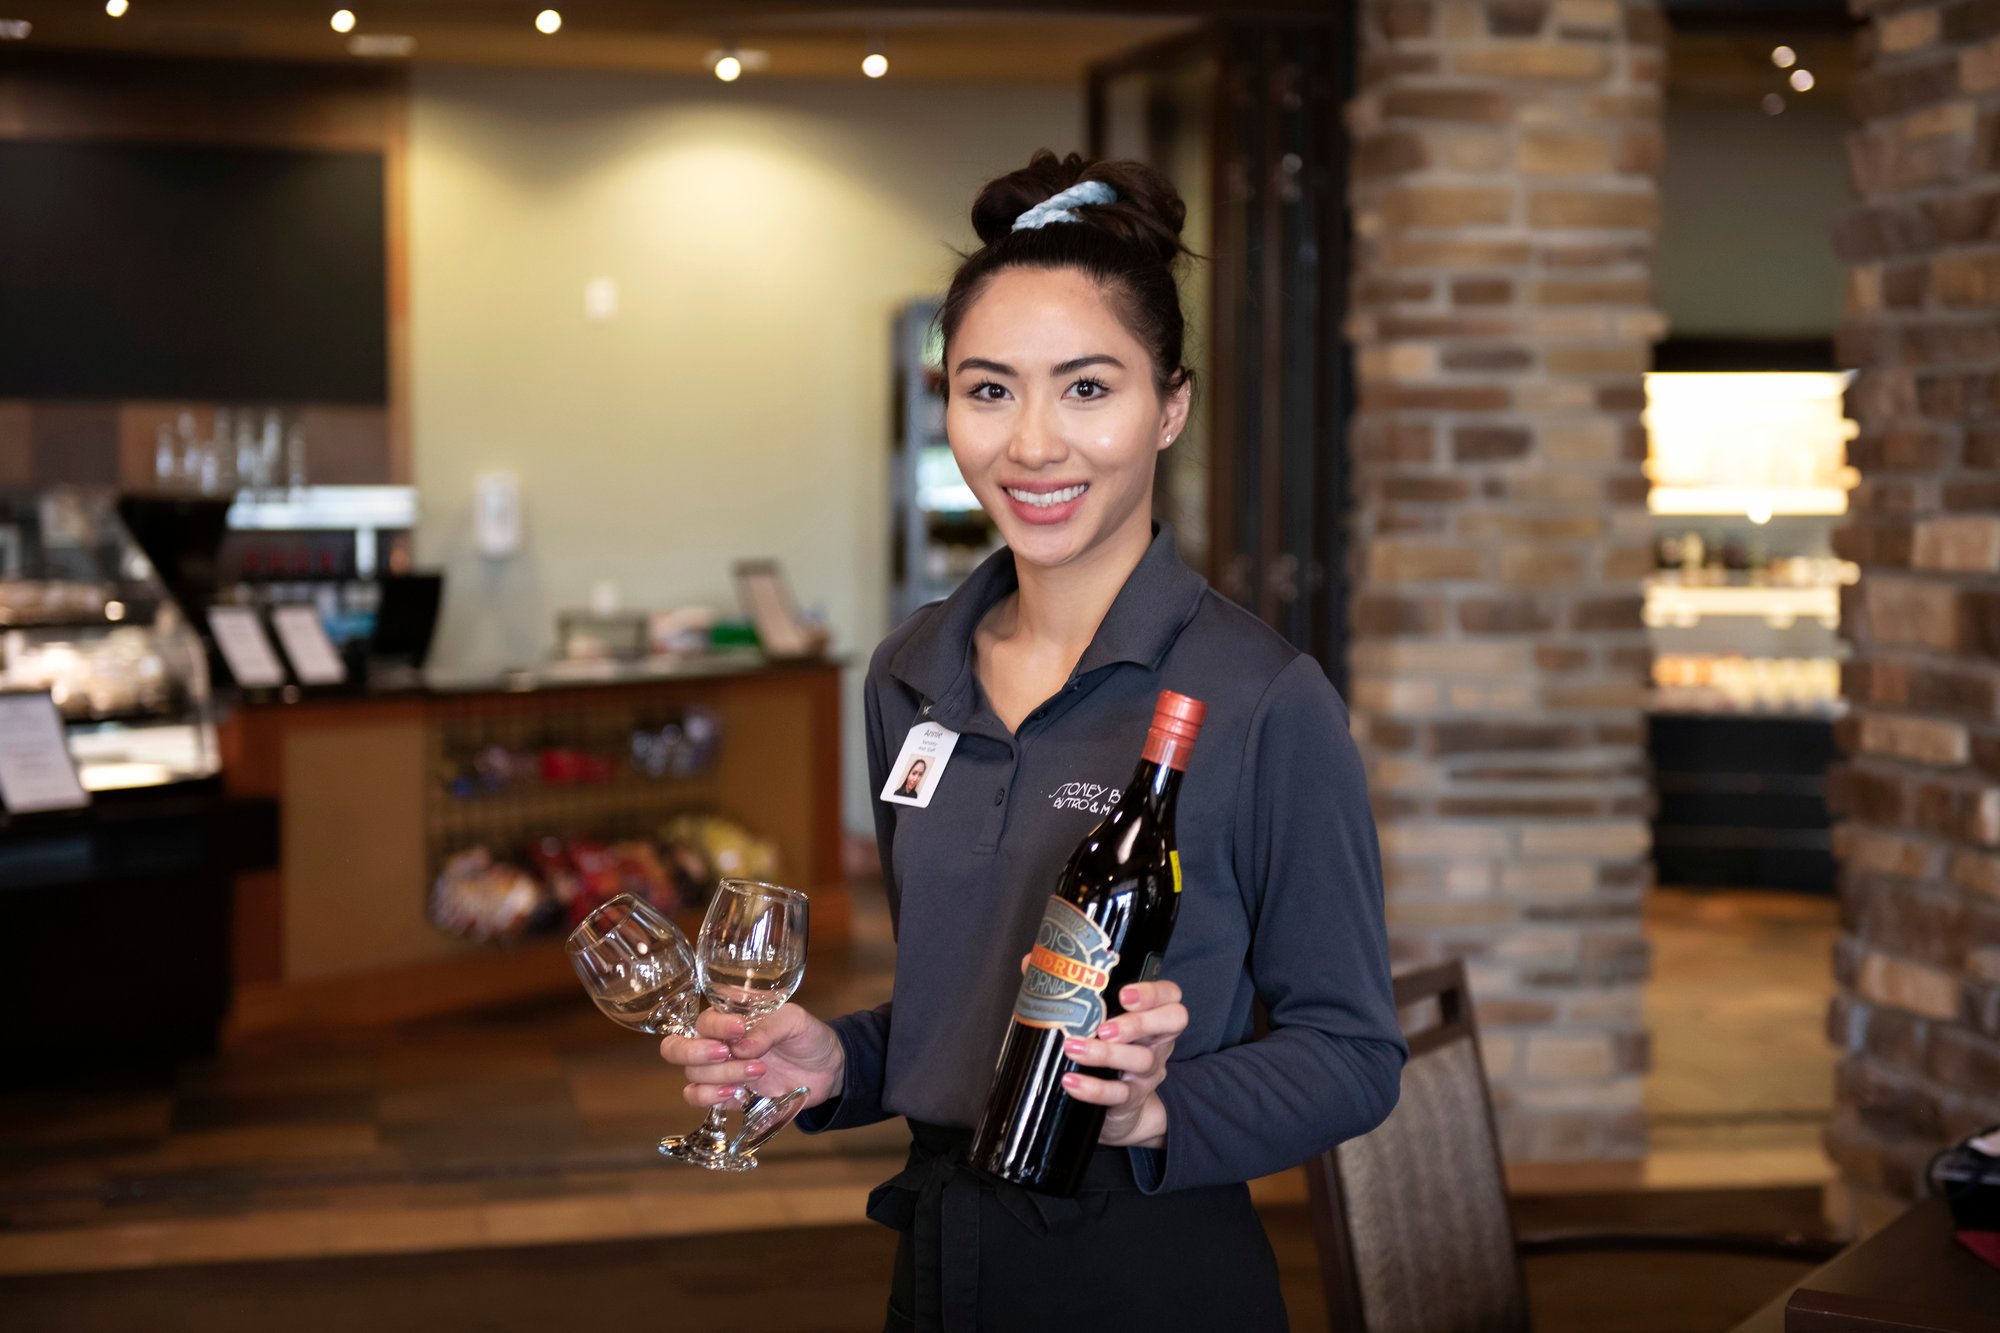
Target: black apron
979,1256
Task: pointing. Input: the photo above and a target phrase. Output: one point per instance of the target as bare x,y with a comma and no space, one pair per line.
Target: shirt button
1000,797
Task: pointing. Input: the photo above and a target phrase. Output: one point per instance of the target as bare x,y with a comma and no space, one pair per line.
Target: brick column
1918,964
1505,197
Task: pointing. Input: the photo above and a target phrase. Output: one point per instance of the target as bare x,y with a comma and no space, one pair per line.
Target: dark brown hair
1130,247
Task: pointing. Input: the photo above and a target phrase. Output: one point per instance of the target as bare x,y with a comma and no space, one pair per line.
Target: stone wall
1918,964
1505,195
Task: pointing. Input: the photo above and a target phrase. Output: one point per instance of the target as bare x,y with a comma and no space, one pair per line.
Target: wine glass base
681,1148
764,1117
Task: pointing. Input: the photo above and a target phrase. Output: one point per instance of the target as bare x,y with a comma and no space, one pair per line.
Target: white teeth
1044,499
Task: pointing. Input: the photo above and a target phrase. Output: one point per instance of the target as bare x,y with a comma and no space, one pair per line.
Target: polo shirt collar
1158,599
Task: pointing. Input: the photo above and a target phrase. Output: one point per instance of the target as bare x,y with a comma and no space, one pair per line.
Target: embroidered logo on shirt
1067,973
1094,797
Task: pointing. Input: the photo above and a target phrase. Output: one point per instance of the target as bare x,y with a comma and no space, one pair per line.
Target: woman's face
917,771
1053,416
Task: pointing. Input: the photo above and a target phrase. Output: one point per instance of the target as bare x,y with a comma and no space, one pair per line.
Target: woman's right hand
787,1049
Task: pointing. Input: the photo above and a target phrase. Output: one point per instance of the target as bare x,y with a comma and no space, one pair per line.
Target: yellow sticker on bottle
1174,860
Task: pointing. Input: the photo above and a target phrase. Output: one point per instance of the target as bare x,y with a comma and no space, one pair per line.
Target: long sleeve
864,1034
1330,1067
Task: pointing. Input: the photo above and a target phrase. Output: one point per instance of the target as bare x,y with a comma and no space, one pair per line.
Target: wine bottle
1105,927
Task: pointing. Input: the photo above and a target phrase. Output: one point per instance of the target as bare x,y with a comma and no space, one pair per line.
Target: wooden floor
833,1280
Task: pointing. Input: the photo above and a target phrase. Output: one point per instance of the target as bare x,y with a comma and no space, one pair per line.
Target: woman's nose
1036,442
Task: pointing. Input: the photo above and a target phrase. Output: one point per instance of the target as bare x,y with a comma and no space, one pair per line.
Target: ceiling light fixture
116,8
876,63
1802,80
15,30
1784,57
548,21
728,68
343,20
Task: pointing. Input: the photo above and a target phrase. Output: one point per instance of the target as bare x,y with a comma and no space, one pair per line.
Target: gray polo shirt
1282,896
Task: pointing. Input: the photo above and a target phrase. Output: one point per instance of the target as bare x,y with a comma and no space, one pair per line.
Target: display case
84,615
1750,478
941,533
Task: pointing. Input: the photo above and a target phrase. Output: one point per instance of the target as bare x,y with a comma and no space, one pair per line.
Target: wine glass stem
714,1130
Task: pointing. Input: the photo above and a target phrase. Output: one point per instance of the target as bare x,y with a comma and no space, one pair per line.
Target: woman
1062,338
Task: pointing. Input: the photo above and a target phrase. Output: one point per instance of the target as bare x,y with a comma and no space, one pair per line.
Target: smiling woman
1032,686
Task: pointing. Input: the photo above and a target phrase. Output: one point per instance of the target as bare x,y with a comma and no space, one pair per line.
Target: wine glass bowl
637,967
752,950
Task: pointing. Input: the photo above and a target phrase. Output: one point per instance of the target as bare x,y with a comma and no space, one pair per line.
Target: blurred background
456,459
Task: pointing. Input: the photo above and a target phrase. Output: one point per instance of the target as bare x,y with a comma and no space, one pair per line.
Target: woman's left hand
1136,1044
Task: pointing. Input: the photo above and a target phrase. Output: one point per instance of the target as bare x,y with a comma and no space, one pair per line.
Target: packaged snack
485,899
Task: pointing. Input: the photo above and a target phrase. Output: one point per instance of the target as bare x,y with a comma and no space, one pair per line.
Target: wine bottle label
1067,973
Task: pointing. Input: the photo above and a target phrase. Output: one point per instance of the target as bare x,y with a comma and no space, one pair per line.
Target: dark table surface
1911,1275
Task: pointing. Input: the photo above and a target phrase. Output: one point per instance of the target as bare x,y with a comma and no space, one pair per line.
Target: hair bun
1148,213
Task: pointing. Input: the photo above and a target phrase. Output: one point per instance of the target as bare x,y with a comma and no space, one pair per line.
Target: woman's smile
1045,502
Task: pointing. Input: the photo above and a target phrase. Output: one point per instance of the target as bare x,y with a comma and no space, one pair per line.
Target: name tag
914,775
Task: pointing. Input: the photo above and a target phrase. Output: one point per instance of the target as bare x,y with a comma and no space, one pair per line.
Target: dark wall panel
192,272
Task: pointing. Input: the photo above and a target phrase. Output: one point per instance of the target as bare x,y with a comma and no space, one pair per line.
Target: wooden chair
1411,1220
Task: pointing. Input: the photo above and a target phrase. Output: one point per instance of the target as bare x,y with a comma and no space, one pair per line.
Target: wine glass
640,970
637,966
750,957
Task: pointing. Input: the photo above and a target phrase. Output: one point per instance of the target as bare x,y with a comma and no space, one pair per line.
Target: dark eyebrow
1071,367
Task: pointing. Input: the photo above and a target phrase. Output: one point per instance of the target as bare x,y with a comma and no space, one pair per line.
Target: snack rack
602,768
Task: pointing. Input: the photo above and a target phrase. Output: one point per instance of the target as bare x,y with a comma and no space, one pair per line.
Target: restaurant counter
378,790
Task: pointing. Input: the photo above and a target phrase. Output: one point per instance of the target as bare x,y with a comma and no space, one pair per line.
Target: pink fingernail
1073,1046
1109,1032
1071,1081
755,1069
717,1054
1129,996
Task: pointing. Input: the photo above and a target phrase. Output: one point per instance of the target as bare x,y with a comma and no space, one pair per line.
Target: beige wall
739,403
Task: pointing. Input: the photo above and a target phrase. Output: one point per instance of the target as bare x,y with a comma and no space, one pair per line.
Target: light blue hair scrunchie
1056,208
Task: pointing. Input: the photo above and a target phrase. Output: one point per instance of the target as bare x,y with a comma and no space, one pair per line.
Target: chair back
1411,1219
